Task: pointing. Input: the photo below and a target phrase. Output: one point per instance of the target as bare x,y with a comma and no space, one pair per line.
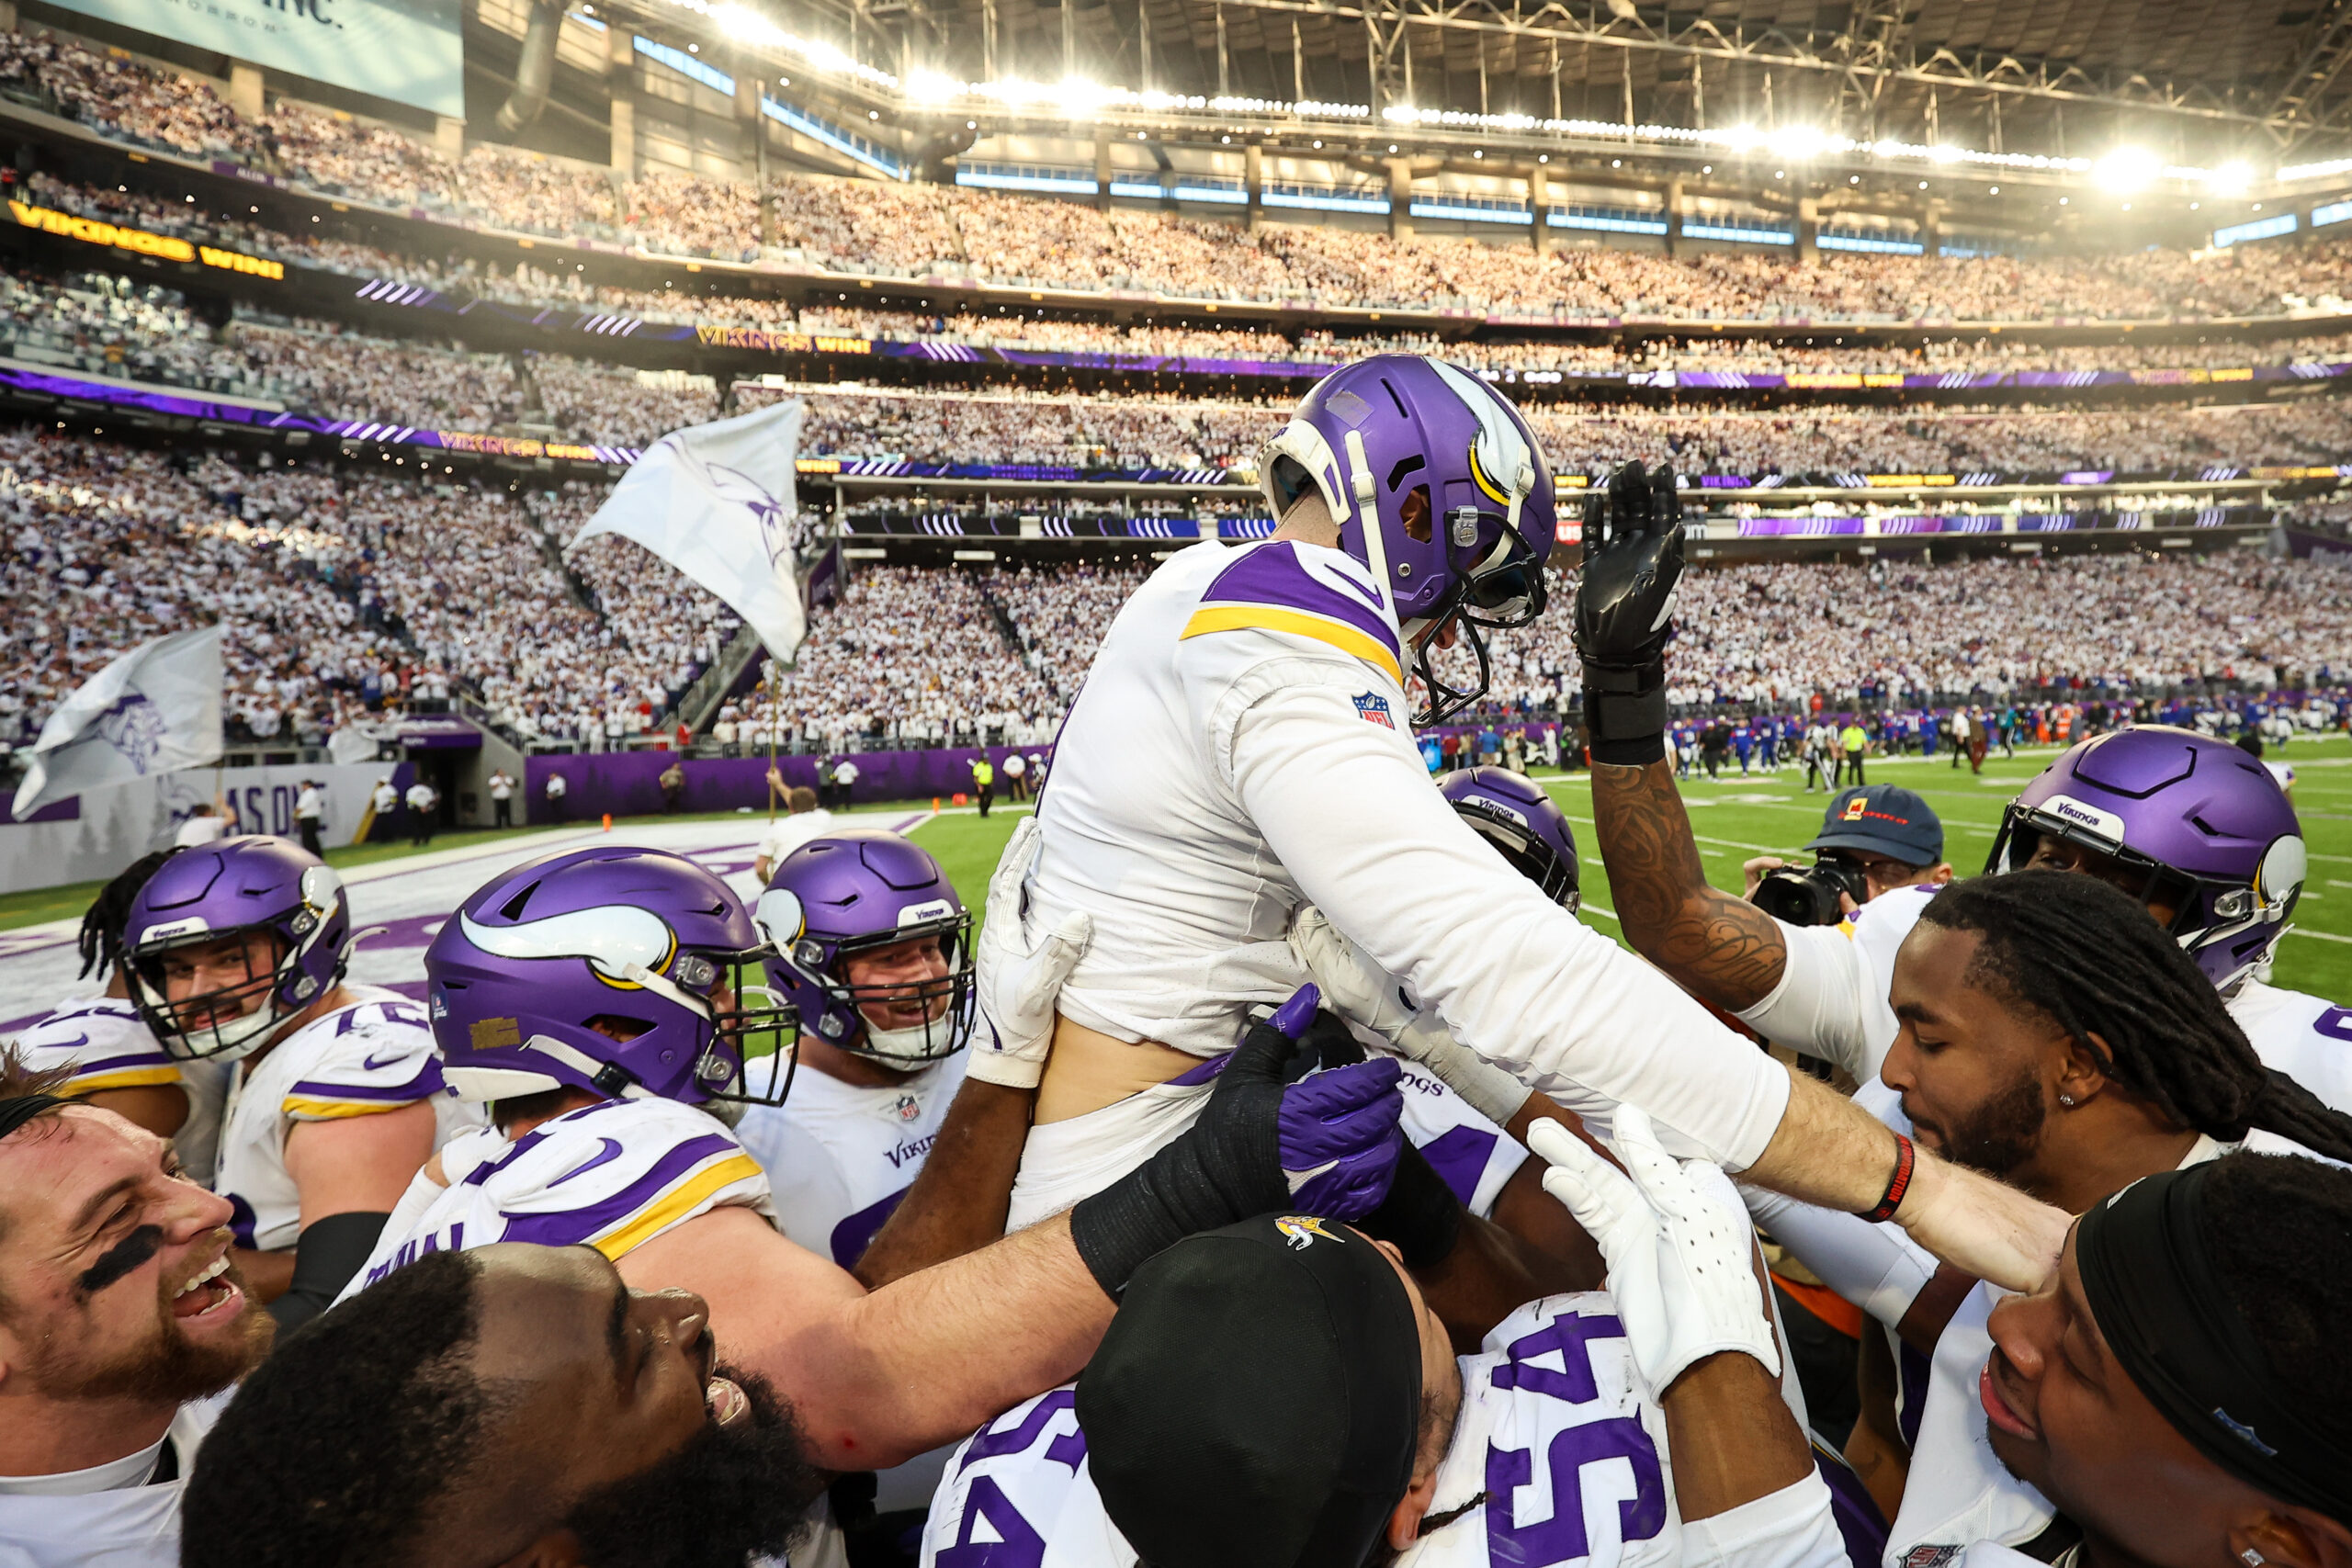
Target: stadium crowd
954,231
412,579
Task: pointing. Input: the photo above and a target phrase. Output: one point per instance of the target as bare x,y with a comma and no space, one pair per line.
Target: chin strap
612,1081
1375,549
662,986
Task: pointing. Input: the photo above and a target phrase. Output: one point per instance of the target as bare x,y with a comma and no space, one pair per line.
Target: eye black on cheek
121,1258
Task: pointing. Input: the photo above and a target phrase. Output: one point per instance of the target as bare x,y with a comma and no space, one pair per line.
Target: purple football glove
1326,1144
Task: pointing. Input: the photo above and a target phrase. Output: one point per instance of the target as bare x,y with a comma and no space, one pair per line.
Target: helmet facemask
752,1050
212,1025
946,1004
2228,926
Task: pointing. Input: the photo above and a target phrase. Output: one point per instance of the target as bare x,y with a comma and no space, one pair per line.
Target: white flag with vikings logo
154,709
717,502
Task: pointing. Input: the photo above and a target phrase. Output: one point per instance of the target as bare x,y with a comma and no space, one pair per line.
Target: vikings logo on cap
1302,1230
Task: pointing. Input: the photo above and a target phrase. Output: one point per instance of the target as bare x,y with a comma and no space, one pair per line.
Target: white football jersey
612,1176
376,1054
104,1044
1242,746
128,1517
1832,1003
1558,1434
840,1157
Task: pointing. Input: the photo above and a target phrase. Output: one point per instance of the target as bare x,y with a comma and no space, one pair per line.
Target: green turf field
1737,817
1768,814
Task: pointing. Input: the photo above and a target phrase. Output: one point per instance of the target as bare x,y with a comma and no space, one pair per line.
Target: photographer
1873,840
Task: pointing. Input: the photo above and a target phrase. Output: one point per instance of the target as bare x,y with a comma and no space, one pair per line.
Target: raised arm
1690,1289
1715,944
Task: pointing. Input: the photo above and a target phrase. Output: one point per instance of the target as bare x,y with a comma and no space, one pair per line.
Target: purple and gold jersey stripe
677,1182
327,1101
133,1069
1268,589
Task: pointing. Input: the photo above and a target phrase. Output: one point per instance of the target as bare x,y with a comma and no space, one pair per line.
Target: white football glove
1019,973
1679,1247
1367,996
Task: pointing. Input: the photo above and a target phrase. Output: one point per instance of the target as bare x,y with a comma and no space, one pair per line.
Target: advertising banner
411,51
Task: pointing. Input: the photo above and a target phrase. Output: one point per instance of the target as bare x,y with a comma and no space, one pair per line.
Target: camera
1807,896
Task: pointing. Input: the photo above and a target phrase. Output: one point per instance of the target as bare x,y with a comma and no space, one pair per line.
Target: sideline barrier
626,783
92,835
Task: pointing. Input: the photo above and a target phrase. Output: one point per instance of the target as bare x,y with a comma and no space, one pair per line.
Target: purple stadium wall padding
626,783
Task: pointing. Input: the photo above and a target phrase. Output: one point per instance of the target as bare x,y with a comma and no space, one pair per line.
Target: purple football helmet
253,884
1374,434
2196,824
643,943
1513,812
851,895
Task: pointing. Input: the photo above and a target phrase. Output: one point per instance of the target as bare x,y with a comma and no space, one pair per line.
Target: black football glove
1633,563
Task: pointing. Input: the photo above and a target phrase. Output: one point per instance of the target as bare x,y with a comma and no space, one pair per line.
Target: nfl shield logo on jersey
1373,709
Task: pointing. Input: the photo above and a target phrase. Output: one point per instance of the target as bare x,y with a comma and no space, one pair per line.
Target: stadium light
2128,169
2232,178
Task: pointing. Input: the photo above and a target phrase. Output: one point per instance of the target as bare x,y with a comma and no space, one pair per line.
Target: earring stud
2252,1559
2069,1099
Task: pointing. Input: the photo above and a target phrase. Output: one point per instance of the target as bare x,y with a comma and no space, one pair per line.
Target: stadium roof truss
2192,80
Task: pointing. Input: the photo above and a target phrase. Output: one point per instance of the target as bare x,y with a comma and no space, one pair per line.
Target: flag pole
772,715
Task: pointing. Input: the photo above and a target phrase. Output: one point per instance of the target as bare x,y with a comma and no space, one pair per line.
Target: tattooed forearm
1720,947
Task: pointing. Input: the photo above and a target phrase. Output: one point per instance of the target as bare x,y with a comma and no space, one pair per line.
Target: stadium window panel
2260,228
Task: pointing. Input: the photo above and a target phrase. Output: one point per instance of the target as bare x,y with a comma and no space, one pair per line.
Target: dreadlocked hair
101,939
2087,957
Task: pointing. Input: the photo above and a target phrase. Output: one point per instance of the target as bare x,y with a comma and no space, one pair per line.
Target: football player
608,1006
236,952
510,1402
873,949
1294,1370
1258,696
122,1315
108,1053
2193,827
2176,1390
2051,1037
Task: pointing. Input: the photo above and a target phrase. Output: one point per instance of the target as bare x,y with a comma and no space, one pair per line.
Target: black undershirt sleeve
328,1253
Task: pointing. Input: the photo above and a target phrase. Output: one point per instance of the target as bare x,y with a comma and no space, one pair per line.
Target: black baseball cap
1883,819
1256,1402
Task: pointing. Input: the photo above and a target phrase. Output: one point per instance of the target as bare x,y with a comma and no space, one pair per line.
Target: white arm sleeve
1347,808
1876,1266
1825,1003
1794,1528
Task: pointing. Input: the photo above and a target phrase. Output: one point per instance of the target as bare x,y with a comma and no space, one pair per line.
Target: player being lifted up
237,953
1241,747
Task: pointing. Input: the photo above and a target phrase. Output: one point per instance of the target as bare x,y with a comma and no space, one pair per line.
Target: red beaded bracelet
1900,1183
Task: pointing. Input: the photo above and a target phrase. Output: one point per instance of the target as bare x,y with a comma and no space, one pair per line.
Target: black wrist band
1905,1161
1625,728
